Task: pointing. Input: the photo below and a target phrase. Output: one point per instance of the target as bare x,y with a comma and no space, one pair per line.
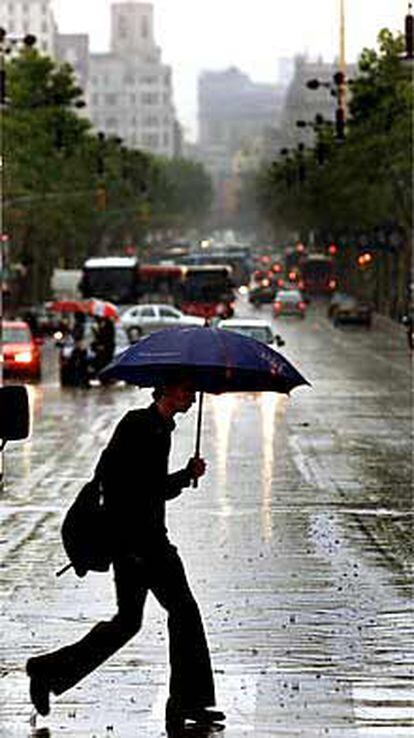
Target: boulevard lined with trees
356,191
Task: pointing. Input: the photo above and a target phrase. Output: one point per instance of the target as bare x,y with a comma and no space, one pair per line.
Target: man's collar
167,423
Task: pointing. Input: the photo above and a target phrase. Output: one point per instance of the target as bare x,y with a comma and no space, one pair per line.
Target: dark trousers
162,573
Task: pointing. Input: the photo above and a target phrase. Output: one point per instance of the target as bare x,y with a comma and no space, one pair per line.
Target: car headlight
24,357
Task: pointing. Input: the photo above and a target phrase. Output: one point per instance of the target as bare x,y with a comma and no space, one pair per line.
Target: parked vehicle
335,301
352,310
140,320
289,302
261,330
21,351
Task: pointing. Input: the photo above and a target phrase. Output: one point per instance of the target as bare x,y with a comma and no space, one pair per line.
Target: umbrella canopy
93,307
217,360
68,306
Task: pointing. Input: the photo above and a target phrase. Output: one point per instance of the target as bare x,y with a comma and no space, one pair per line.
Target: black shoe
176,715
39,689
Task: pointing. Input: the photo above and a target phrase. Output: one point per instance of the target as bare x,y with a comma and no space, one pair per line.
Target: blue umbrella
216,360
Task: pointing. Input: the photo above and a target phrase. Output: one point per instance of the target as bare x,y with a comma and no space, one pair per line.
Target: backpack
85,531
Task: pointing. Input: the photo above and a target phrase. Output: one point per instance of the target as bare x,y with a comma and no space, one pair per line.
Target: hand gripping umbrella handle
198,436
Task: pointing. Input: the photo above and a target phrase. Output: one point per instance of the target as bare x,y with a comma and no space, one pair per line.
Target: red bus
208,291
318,275
160,283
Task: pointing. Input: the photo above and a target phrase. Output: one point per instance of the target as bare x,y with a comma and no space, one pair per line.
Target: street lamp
7,44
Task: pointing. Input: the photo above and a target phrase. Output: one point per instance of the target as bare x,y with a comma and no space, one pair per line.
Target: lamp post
7,44
6,48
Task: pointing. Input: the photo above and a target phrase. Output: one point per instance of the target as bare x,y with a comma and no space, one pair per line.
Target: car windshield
288,295
16,334
260,333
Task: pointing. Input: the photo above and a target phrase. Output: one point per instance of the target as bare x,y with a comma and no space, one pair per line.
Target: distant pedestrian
133,470
103,344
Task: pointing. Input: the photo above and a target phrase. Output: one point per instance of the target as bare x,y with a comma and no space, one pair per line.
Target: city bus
208,291
160,283
317,272
113,278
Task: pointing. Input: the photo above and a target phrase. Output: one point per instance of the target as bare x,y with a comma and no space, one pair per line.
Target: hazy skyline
196,35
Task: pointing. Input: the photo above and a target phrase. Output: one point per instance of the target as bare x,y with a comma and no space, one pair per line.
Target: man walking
133,470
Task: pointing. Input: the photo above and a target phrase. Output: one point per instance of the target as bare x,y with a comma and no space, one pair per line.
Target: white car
261,330
140,320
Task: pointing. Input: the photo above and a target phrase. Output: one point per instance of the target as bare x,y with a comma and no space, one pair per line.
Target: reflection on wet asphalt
297,543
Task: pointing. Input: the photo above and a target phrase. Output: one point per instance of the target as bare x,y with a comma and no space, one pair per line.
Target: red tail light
277,305
301,305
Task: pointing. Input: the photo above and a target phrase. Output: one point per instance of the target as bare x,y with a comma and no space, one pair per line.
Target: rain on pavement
296,543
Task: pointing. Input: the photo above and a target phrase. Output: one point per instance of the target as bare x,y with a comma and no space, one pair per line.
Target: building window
95,81
166,139
111,99
144,27
44,27
132,99
111,124
11,8
25,8
151,140
95,99
151,121
149,98
44,46
129,78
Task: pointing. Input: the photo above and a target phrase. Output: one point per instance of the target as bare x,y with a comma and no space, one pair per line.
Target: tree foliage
69,192
364,182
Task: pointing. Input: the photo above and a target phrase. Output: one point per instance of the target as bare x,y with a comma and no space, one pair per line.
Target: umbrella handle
198,436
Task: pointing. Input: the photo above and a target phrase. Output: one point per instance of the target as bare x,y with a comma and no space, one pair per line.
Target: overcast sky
215,34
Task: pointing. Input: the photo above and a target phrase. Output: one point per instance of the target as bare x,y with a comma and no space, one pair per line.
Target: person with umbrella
177,362
136,485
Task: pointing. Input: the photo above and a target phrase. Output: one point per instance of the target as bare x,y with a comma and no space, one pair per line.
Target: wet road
297,544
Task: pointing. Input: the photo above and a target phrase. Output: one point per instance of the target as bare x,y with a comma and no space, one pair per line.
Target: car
139,320
352,310
289,302
261,294
336,300
261,330
21,351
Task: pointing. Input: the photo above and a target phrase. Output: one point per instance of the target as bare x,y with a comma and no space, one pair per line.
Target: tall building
129,92
233,112
22,17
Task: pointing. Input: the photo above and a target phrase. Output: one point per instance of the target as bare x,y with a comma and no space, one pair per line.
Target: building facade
233,112
303,104
73,48
22,17
129,92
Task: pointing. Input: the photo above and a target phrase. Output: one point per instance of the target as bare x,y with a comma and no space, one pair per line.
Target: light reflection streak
223,409
272,407
35,399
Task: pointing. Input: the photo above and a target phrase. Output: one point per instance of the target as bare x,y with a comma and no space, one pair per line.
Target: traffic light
340,124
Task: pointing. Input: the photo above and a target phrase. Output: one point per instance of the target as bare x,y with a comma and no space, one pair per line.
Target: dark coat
136,482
